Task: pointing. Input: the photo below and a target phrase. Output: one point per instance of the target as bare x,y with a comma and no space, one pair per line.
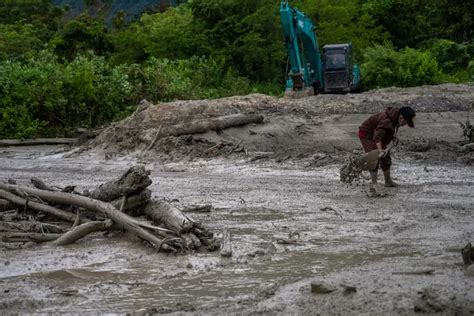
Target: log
226,246
211,124
6,205
154,139
198,208
134,203
37,141
81,231
132,181
29,226
39,184
415,272
88,133
69,217
123,220
194,240
26,237
163,212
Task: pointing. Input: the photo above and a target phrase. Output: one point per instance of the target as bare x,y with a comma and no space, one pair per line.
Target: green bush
18,40
383,67
451,56
193,78
42,95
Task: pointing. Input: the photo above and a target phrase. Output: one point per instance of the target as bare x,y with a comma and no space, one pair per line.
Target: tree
344,21
246,33
18,40
80,36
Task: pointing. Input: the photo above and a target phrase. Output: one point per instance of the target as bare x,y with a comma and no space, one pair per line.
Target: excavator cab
340,74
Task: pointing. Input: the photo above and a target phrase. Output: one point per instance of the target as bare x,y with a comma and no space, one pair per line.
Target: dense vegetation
57,74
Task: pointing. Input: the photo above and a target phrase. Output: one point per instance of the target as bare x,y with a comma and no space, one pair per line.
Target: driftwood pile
62,216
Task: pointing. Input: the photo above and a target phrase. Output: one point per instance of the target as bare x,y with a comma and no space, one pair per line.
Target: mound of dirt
291,128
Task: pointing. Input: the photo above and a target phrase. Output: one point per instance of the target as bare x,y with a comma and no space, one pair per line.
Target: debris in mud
293,239
429,303
62,216
69,291
328,209
319,287
226,249
468,130
467,254
419,144
197,208
416,272
263,249
352,169
348,289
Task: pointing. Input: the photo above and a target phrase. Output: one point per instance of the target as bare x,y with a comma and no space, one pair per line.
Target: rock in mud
348,289
319,287
467,254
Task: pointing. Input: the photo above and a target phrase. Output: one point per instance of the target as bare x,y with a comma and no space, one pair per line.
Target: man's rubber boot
389,183
374,190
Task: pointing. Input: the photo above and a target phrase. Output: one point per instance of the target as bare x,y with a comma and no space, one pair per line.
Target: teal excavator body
330,72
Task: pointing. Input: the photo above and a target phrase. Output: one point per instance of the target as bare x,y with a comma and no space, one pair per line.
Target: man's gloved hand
383,153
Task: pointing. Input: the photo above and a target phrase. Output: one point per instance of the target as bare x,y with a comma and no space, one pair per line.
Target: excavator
311,72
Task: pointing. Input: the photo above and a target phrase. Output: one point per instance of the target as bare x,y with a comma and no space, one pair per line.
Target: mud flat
294,226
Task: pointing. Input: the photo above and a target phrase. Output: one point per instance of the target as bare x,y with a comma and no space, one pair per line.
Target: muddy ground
267,181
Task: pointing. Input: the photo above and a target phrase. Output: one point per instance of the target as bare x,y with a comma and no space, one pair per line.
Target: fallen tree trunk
193,240
134,204
211,124
132,181
81,231
26,237
37,141
5,205
123,220
69,217
198,208
163,212
30,226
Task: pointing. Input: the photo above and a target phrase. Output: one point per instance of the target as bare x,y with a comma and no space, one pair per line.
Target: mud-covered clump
351,170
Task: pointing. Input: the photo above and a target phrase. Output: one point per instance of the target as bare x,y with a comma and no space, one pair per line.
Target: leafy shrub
383,67
193,78
42,96
18,40
451,56
42,93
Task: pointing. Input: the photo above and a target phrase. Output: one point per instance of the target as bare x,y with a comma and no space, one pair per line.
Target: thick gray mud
338,236
275,186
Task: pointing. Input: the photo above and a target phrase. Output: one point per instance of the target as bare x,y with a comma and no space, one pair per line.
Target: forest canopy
58,73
